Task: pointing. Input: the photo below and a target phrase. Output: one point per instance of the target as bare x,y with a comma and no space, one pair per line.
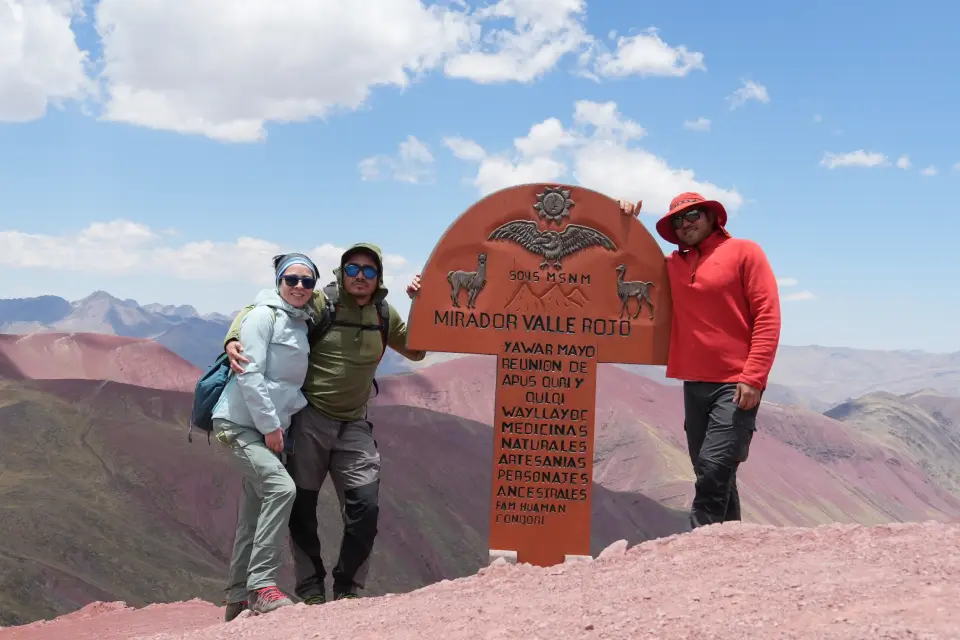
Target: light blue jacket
267,393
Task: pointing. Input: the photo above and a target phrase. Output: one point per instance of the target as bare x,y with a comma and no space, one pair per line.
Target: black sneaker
339,593
234,609
317,598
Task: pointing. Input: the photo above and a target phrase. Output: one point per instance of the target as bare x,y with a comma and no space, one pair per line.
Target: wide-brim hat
685,202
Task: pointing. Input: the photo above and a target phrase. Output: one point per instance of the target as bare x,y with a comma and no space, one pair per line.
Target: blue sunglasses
352,270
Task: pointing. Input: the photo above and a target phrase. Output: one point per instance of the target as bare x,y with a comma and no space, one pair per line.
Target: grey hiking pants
718,441
265,505
348,452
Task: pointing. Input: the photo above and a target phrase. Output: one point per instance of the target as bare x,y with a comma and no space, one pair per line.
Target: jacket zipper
693,272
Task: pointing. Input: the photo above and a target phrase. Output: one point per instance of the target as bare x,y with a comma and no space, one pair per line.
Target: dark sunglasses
292,281
690,216
353,269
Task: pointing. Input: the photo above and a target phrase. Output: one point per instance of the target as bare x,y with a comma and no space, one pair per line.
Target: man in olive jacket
332,434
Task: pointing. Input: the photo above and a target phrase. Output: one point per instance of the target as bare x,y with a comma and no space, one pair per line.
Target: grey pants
718,441
265,505
348,452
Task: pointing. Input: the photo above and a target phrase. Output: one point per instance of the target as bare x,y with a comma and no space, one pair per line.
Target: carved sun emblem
554,203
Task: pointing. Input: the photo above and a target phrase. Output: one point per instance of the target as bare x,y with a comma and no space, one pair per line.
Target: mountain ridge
93,356
815,377
180,328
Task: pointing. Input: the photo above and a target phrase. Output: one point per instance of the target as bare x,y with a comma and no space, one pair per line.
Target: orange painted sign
553,280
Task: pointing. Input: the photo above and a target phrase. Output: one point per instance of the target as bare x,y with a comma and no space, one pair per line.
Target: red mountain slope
120,507
90,356
804,468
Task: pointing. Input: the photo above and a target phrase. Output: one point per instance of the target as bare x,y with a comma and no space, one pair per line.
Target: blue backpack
206,395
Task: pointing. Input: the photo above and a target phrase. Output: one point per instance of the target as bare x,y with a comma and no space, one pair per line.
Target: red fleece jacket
726,312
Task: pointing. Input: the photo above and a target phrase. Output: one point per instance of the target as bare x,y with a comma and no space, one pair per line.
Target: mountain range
181,329
812,377
119,506
805,468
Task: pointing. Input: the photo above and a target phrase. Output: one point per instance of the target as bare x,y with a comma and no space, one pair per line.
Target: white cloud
749,91
858,158
543,32
544,138
817,118
121,247
40,62
700,124
598,151
412,163
929,171
903,162
223,69
226,69
645,54
797,296
956,167
465,149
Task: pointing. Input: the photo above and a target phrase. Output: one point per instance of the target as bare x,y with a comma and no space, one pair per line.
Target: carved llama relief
472,281
637,289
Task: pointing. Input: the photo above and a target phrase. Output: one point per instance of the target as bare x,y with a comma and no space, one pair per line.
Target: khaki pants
265,506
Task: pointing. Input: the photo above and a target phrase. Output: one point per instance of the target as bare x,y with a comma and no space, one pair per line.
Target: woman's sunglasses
292,281
353,269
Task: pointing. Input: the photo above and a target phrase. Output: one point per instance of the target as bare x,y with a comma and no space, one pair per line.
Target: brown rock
613,550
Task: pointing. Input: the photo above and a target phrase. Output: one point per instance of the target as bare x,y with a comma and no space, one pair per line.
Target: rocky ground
727,581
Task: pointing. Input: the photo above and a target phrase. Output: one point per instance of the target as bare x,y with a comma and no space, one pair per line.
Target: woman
252,416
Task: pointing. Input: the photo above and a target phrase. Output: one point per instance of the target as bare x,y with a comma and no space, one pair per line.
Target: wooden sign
553,280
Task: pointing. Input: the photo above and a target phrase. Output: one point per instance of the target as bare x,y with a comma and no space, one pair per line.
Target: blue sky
195,141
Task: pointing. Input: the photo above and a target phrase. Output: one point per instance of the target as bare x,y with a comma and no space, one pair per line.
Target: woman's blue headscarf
282,263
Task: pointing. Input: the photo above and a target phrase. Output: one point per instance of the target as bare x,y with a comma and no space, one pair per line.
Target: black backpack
328,318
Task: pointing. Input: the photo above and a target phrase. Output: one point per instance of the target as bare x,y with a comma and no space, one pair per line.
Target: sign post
553,280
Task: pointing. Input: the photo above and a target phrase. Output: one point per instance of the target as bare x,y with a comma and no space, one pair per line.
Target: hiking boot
317,598
233,610
269,599
343,593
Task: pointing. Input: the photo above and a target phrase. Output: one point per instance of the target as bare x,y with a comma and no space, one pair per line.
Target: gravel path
728,581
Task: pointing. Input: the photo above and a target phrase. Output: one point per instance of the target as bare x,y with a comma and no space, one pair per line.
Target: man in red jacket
723,340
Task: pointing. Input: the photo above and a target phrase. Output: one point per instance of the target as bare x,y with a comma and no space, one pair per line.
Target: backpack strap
328,314
383,314
328,318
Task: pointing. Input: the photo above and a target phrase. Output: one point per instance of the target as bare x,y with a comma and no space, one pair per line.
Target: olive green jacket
342,365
